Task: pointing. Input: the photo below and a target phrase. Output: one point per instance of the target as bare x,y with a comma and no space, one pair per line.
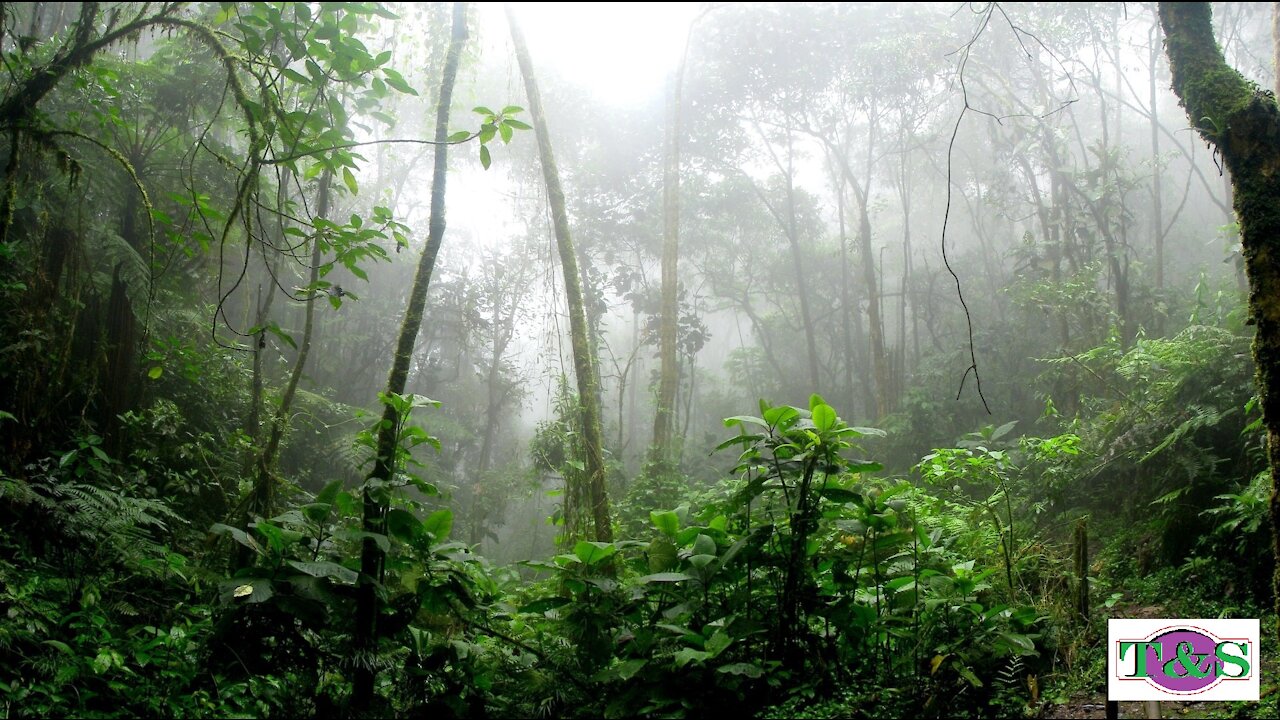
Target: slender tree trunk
802,287
372,558
1157,212
669,376
584,361
1244,125
847,308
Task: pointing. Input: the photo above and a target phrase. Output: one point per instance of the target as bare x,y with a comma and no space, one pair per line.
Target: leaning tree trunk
584,361
1243,123
372,558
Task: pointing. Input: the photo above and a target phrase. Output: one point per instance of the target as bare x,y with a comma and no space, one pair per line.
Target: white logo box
1218,649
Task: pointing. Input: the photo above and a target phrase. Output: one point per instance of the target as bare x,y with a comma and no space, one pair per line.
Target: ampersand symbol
1188,661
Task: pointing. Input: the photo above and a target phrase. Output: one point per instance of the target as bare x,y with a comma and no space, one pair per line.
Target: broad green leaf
155,372
238,535
591,553
628,668
403,524
824,417
326,570
439,523
246,590
485,159
396,80
350,180
688,655
666,521
744,669
662,554
704,545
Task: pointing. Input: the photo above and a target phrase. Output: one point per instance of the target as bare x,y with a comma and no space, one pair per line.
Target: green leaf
1021,642
663,577
662,554
592,553
505,132
667,521
745,669
824,417
382,541
517,124
238,535
396,80
403,524
155,372
350,180
325,570
839,495
59,646
704,545
460,136
482,110
719,642
258,590
627,669
485,159
439,523
781,416
688,655
509,110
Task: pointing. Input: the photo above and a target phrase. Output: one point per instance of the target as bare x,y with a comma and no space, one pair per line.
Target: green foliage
807,573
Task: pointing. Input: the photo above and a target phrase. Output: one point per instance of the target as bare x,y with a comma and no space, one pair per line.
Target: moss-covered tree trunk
1243,123
584,360
372,558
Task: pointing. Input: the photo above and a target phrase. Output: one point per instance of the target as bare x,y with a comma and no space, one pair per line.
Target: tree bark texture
584,360
372,558
1243,123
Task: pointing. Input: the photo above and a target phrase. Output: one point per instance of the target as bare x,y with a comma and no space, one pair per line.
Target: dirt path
1096,707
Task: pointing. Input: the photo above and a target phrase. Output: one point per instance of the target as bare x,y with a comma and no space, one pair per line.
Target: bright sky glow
620,52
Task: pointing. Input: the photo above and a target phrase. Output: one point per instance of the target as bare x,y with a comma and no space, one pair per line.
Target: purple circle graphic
1184,654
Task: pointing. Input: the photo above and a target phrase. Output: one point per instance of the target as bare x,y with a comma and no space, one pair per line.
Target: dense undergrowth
811,582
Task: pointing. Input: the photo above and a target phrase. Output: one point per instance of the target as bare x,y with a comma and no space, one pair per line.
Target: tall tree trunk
1157,212
802,286
584,361
1244,125
669,376
372,558
847,308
